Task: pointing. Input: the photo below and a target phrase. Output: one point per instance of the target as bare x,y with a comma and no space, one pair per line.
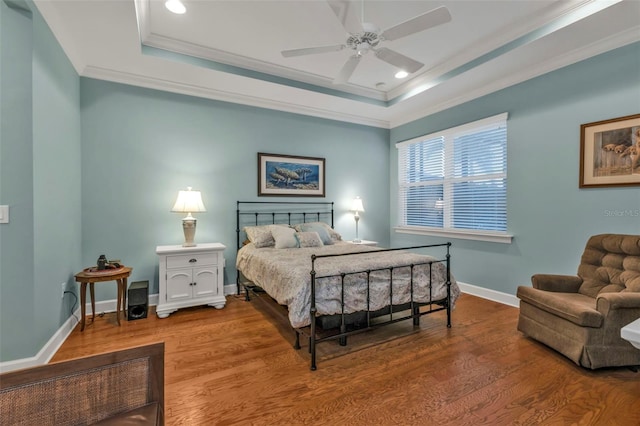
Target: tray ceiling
231,50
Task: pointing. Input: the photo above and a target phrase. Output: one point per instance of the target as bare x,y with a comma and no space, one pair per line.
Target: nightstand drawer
185,261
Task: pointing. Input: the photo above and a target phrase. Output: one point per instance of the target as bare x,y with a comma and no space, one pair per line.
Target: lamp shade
189,202
356,205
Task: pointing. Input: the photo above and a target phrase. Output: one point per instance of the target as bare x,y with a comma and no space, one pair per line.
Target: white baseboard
48,350
230,289
51,347
485,293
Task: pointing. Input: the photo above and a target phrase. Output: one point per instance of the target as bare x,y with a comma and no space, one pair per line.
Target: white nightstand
190,276
365,243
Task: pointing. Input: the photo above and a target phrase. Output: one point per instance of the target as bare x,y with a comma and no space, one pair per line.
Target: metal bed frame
373,319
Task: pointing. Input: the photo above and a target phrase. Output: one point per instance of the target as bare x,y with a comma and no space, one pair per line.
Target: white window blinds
456,179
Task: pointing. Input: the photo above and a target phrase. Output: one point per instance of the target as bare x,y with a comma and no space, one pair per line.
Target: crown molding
482,47
621,39
151,39
107,74
217,56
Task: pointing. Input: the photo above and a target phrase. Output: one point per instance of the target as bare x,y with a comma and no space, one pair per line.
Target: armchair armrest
558,283
606,302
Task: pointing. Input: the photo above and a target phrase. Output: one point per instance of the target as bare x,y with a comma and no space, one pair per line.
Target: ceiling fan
364,37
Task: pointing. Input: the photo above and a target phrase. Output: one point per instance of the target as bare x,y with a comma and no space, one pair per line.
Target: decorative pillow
261,235
284,237
309,239
335,236
321,228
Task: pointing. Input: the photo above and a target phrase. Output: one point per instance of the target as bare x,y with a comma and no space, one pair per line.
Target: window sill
492,237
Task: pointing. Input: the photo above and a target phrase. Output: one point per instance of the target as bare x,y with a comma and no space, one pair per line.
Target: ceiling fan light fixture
175,6
401,74
363,48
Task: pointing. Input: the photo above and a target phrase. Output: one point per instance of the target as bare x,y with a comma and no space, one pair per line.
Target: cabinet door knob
193,260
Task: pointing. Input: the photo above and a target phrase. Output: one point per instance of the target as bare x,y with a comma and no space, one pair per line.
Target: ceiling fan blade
312,50
422,22
398,60
347,14
347,69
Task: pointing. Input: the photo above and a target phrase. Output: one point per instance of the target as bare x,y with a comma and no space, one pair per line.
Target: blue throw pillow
321,230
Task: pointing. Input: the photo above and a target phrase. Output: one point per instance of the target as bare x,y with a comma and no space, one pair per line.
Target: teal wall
39,180
90,167
140,146
549,216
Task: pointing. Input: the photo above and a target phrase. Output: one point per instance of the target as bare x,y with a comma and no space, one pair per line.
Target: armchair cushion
574,307
610,263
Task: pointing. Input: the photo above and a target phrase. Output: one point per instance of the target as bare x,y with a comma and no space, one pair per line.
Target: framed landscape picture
610,152
288,175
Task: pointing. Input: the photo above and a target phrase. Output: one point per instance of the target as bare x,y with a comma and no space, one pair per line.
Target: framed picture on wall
288,175
610,152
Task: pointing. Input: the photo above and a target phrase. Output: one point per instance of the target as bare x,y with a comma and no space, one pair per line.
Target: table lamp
189,202
357,207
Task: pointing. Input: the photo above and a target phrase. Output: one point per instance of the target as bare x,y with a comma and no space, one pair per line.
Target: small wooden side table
87,276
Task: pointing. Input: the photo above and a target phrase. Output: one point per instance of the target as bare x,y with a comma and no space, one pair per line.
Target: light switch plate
4,214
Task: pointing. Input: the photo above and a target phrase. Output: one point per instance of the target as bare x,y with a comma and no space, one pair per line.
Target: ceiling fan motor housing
363,42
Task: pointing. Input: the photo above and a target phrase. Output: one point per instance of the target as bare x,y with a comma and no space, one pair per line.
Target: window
455,181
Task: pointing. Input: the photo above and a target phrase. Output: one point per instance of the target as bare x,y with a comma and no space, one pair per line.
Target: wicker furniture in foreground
116,388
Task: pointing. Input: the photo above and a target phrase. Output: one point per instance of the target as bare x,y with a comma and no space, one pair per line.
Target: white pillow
284,237
261,235
309,239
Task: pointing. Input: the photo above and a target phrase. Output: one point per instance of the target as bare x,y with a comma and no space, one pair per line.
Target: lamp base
189,228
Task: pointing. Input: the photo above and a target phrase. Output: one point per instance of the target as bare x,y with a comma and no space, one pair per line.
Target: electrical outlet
64,286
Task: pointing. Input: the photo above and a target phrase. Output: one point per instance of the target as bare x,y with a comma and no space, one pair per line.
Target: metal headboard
289,212
271,212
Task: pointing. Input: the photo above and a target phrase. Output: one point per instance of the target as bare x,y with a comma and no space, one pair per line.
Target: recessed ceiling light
401,74
175,6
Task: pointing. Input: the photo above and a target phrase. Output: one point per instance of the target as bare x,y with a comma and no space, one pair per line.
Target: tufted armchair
581,316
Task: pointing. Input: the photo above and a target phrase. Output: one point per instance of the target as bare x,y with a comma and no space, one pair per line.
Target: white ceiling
230,50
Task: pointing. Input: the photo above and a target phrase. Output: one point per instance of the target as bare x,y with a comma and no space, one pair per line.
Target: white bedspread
285,275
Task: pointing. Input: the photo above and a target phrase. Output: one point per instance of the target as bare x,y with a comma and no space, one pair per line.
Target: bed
330,288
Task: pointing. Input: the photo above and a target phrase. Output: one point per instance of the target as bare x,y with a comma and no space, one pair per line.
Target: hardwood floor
236,366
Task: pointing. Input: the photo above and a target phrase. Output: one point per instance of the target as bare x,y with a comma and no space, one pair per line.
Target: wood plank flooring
236,366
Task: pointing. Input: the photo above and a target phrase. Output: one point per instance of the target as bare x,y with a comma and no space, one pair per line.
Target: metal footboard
415,311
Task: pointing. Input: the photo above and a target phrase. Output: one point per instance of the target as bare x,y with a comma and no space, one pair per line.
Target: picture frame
610,152
290,176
